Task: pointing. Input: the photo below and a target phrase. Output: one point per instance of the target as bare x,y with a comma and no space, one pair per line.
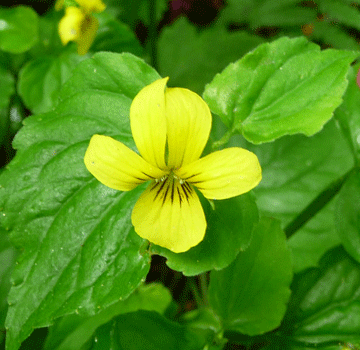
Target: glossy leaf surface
281,88
79,250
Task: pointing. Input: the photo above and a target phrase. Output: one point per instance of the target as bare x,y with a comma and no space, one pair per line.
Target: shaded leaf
284,13
296,169
347,215
40,80
325,304
255,284
145,330
18,29
339,12
205,53
73,331
115,36
6,90
348,113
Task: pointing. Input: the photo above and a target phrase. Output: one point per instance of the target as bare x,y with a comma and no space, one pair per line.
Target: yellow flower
171,127
78,24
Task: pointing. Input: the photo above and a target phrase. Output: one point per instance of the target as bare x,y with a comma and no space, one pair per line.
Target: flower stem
223,141
316,205
204,288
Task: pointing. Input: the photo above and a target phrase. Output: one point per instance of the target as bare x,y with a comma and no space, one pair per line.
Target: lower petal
170,216
117,166
223,174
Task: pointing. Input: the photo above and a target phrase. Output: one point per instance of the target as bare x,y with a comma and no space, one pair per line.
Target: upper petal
59,4
224,174
170,215
188,120
91,6
117,166
70,24
148,122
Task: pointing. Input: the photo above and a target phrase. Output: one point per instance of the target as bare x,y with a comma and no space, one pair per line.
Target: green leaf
137,11
347,215
266,13
145,330
333,35
290,346
315,238
80,252
205,322
49,40
6,90
73,331
143,10
41,79
205,53
348,113
255,284
18,29
121,74
7,262
325,304
295,170
6,87
17,115
228,232
285,87
115,36
284,13
236,12
340,13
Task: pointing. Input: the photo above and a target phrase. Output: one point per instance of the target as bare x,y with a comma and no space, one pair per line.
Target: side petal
169,215
89,28
117,166
148,123
70,24
188,120
224,174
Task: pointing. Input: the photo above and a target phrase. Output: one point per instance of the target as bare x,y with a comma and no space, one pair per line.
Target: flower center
171,188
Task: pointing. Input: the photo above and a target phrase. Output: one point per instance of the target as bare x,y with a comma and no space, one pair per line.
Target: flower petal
170,215
59,4
91,6
89,28
223,174
117,166
148,123
70,24
188,120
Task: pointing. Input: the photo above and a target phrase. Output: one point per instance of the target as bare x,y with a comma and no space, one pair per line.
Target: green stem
316,205
204,288
153,33
195,291
223,141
